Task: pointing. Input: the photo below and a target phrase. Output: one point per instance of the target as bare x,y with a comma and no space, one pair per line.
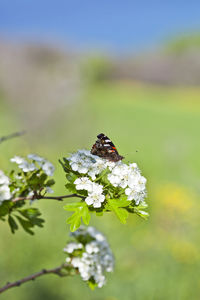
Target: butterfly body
105,148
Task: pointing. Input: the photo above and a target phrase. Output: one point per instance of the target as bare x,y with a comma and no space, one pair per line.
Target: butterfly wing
104,148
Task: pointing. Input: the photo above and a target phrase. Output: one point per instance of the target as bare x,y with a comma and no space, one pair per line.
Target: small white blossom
36,157
23,164
72,246
4,193
4,180
49,190
92,247
48,168
83,183
17,159
27,167
95,199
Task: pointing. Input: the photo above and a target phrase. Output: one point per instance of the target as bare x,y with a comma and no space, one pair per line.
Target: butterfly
104,148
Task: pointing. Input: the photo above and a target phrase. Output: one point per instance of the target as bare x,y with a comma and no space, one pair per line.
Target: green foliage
27,218
31,185
81,211
117,206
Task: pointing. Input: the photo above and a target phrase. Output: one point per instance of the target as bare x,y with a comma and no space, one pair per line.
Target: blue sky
105,24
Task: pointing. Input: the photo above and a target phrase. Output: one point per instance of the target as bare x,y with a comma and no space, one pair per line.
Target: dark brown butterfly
105,148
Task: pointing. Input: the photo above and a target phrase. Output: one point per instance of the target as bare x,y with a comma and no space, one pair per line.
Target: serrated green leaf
119,202
122,214
116,206
72,218
13,225
32,215
75,221
72,206
26,225
86,215
80,211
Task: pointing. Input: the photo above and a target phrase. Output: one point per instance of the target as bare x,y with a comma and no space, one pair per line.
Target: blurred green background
148,103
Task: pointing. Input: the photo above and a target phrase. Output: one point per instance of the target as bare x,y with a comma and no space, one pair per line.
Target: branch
38,197
10,136
57,271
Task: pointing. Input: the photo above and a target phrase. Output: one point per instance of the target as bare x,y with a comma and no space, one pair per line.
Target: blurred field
155,259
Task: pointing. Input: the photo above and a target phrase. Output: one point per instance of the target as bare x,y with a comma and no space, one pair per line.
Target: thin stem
10,136
38,197
57,271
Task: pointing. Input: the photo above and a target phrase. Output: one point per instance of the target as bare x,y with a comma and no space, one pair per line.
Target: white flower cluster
95,190
26,166
129,178
86,163
96,256
5,193
121,175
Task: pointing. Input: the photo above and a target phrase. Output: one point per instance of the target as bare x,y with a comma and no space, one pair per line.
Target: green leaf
13,225
5,208
71,187
50,182
71,177
141,213
86,215
66,166
80,211
122,202
75,221
116,206
72,206
32,215
26,225
121,213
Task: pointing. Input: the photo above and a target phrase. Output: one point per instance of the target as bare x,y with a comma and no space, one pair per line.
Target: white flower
137,182
4,193
95,199
134,195
84,162
83,183
4,180
36,157
92,247
72,246
23,164
17,159
49,190
27,167
48,168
